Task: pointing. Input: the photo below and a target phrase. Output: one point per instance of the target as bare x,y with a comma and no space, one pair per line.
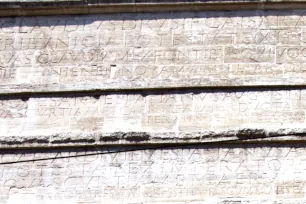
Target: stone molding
35,8
64,140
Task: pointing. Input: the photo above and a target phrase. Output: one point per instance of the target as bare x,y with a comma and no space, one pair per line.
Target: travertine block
154,112
152,50
195,175
143,51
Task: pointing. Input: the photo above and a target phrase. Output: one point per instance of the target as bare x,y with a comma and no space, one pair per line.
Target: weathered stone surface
58,7
147,116
228,86
152,50
192,174
147,138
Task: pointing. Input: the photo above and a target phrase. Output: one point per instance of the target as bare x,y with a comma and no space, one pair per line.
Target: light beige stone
113,65
154,112
200,174
152,50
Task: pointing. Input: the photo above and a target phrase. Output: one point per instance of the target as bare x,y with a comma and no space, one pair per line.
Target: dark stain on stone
130,136
190,138
136,136
69,140
109,138
36,140
244,134
5,142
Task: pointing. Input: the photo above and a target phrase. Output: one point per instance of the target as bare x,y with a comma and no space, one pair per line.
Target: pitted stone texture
152,50
199,174
141,115
145,138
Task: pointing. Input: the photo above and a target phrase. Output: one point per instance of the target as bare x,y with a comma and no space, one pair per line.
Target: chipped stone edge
54,7
144,138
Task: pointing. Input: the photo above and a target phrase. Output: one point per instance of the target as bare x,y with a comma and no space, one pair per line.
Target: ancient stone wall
192,106
152,50
188,174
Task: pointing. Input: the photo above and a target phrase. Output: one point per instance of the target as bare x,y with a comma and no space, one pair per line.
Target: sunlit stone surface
196,174
142,105
152,50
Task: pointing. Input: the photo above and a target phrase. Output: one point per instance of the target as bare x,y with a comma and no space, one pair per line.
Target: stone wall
152,50
198,174
164,107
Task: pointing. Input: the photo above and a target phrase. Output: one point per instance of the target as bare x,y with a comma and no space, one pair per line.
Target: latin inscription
259,174
153,50
180,111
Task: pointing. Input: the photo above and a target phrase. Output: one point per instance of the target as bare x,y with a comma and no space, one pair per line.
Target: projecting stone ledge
149,138
32,8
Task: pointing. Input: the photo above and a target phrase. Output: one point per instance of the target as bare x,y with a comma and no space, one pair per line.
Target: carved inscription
161,111
182,49
13,109
232,174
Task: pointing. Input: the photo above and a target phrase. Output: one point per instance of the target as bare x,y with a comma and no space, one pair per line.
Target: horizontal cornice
34,8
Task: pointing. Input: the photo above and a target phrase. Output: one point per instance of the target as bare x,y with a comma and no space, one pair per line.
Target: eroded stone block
199,174
158,111
151,50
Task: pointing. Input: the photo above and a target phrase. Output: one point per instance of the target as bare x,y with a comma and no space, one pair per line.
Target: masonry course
152,50
152,102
